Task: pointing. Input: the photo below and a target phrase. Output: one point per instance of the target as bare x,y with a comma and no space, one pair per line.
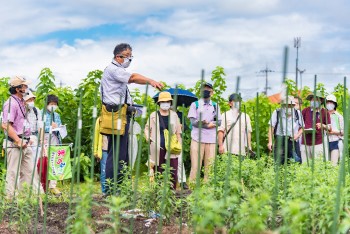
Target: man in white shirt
236,128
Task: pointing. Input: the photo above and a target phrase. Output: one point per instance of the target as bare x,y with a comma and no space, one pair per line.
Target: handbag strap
232,126
161,121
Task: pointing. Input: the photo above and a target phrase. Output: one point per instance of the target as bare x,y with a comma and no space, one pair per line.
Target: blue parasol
184,97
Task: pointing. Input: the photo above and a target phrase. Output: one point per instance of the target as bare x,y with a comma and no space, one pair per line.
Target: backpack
278,119
36,113
213,103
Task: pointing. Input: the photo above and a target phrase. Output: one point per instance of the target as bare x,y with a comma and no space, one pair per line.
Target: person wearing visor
322,123
154,133
235,128
203,134
286,122
115,92
335,136
17,130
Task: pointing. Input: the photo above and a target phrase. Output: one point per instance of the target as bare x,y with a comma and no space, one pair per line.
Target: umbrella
184,97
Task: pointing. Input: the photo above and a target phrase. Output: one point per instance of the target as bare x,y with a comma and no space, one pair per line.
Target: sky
173,41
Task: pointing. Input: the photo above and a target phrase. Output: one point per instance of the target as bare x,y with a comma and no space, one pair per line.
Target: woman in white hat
335,136
154,132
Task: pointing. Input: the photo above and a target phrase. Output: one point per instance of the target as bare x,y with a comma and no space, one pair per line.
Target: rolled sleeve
192,113
249,125
273,120
120,75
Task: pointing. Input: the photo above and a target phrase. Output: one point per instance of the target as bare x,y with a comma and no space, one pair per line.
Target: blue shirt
48,122
114,84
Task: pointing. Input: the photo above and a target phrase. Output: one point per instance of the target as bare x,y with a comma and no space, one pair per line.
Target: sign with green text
59,163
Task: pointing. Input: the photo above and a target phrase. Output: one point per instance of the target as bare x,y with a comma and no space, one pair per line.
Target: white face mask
126,62
52,107
288,111
330,106
164,106
30,105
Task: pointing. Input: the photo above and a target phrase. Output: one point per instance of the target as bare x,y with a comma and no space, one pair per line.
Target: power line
266,71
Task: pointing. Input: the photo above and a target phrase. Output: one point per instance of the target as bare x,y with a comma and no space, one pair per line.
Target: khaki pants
306,150
207,152
181,174
21,161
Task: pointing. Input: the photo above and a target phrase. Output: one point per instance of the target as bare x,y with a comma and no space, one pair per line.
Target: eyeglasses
125,56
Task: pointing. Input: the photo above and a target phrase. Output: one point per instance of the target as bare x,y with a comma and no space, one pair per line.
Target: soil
58,212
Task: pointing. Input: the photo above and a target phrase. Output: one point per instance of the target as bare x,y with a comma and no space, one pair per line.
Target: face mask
30,105
288,110
126,62
206,94
315,104
330,106
52,108
25,92
165,106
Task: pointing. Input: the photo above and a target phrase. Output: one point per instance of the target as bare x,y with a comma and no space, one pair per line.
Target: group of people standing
23,124
314,131
209,128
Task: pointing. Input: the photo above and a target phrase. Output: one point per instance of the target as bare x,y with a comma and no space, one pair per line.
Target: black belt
22,137
130,109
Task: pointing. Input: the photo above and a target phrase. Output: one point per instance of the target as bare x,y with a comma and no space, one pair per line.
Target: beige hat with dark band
18,80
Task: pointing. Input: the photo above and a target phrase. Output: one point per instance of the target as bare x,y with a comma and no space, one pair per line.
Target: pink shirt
208,114
17,115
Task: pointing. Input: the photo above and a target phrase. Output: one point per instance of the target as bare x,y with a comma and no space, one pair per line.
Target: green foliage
45,86
85,165
115,206
338,92
90,97
81,221
263,115
68,106
21,210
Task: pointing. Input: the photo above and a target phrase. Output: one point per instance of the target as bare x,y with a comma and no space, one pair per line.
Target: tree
46,86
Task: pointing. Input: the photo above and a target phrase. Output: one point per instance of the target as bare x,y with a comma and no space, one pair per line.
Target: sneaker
55,192
184,185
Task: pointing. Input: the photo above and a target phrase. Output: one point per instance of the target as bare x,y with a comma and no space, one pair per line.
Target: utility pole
297,45
61,83
266,71
301,80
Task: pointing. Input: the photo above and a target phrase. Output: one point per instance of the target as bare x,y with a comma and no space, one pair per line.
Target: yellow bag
115,125
175,146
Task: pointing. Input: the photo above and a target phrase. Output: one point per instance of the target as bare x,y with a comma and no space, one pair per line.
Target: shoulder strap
161,121
214,105
35,112
197,104
278,119
232,126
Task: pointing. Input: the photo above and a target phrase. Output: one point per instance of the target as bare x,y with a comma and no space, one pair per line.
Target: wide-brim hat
18,80
288,101
164,97
29,96
317,94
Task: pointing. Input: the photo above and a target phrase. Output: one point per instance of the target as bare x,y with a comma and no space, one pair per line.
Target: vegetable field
242,195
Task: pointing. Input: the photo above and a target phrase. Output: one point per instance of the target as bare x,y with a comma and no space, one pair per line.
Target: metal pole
297,44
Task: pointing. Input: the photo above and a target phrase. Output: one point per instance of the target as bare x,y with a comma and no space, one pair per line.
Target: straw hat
18,80
164,97
289,101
